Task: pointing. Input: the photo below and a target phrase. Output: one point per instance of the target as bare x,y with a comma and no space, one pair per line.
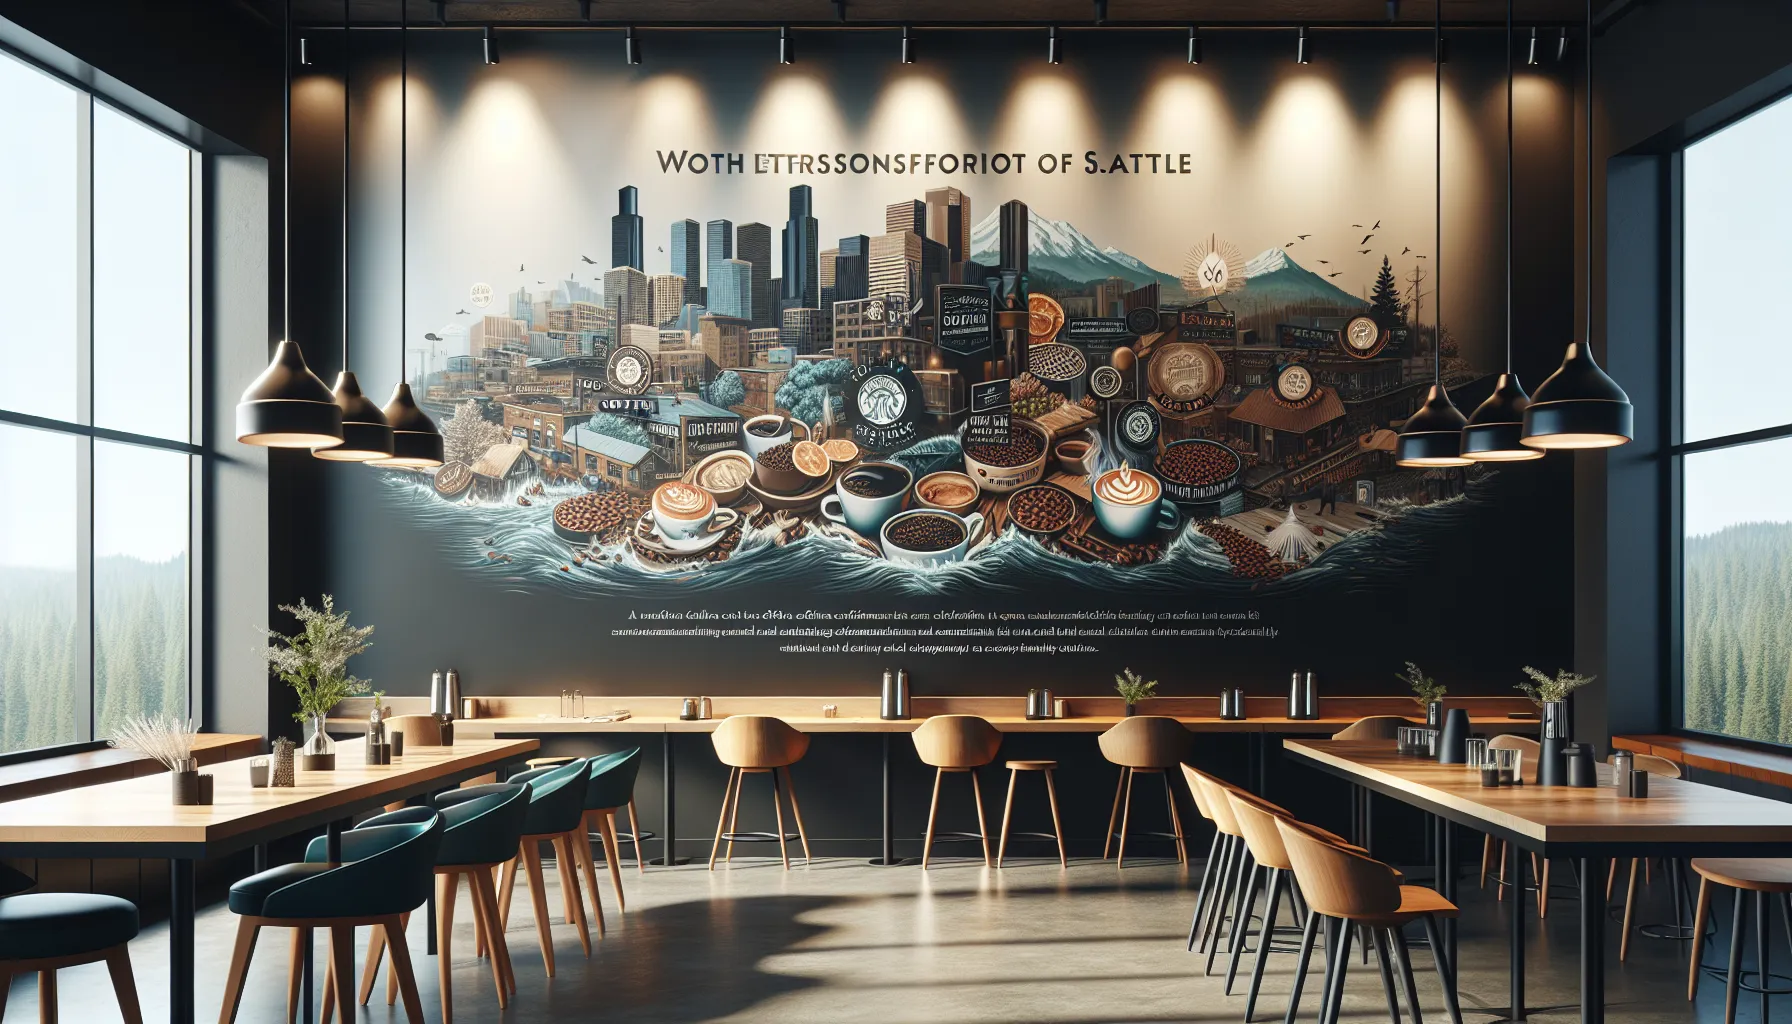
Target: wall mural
876,344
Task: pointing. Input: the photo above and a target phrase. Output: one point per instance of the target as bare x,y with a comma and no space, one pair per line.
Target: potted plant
1428,692
1133,688
1550,694
314,662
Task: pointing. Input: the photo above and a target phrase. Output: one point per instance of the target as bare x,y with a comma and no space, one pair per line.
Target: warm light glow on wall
796,113
671,99
915,111
1305,149
1182,104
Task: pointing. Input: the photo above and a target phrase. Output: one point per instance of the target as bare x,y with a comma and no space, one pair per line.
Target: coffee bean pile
1024,446
1197,464
926,533
777,459
1041,509
596,513
1249,558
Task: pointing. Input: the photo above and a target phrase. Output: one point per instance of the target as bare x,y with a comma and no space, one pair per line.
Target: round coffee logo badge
1142,320
1363,337
884,406
1138,426
1294,386
480,295
1105,382
629,370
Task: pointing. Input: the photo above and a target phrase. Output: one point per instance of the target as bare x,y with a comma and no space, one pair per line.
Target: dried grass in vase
166,738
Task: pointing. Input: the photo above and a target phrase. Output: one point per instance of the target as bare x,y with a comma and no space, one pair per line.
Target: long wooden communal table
1678,819
134,818
1265,717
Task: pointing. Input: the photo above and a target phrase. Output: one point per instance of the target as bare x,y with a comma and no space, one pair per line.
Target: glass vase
319,752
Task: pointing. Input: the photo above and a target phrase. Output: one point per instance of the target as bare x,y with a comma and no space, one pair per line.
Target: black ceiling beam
938,26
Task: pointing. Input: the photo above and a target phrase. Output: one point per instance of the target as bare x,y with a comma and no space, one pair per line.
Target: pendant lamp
1432,438
416,443
287,406
1496,425
365,433
1579,406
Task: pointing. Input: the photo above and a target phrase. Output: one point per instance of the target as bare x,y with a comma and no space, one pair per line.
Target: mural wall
980,364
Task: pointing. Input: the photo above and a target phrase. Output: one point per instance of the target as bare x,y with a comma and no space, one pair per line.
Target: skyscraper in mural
852,269
895,264
731,288
626,291
686,251
753,243
665,297
718,243
949,221
627,248
802,249
908,215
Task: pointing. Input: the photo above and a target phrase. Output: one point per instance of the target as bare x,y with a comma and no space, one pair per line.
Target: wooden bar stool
1765,877
1374,727
613,839
1235,859
1659,767
1257,819
1209,869
957,743
1045,768
1145,745
1350,889
1530,750
47,931
758,745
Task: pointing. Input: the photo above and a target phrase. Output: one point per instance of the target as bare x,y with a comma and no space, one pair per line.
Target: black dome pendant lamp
1496,425
1579,406
416,443
365,434
1432,438
288,406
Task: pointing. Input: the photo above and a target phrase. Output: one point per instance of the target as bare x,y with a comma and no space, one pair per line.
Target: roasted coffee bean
1197,465
1023,447
777,459
926,532
595,513
1041,509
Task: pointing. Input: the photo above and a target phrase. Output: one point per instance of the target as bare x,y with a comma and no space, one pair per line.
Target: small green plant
314,661
1545,689
1132,687
1425,689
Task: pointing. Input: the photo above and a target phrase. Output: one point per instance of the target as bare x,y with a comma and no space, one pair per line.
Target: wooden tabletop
1714,756
549,724
108,764
136,818
1677,816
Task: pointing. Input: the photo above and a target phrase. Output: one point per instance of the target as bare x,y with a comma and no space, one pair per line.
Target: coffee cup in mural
949,491
927,537
1129,503
868,494
769,431
682,511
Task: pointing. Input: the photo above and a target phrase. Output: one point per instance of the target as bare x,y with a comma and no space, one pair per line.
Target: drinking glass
1428,739
1474,752
1510,765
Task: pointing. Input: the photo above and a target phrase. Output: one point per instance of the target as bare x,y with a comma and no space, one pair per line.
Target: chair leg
294,972
722,819
1446,972
485,898
1051,795
1403,960
404,921
778,809
1385,964
1276,881
446,888
1629,909
796,811
1543,891
1205,892
634,829
1107,841
342,965
570,878
1175,819
507,886
1227,922
1007,812
1241,925
982,825
246,934
1341,970
1499,885
740,789
1125,816
933,808
581,848
400,966
1222,883
376,948
1739,913
1611,877
47,1009
1308,932
1699,919
539,897
606,824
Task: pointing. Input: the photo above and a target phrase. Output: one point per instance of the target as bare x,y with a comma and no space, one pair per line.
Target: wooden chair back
1221,807
1338,881
1375,727
1147,741
1257,820
957,741
758,742
1532,750
418,730
1655,764
1196,790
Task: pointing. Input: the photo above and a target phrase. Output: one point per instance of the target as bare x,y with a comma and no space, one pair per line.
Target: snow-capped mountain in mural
1274,279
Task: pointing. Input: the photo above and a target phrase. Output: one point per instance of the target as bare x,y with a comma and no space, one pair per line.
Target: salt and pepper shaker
1623,763
705,710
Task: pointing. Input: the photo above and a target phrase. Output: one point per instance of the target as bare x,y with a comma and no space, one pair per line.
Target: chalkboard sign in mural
962,322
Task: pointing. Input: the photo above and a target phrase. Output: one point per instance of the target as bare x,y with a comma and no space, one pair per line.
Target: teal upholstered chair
47,931
385,872
608,789
555,815
478,836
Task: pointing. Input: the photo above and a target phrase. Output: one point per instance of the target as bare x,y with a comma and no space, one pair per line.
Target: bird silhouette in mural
1303,237
432,336
1356,225
519,268
544,282
1377,226
1334,273
1405,250
462,312
1287,245
587,259
1327,262
1362,252
1366,238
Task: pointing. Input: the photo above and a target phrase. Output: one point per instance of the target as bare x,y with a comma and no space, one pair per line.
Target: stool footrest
955,837
759,837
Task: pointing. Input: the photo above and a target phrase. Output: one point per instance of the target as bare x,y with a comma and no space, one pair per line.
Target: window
1736,433
96,414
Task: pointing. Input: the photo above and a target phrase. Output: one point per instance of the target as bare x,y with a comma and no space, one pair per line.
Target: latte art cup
1129,506
682,511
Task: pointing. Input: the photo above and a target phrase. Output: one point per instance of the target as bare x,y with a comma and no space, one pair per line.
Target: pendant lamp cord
347,60
1509,203
1589,59
286,187
404,110
1437,255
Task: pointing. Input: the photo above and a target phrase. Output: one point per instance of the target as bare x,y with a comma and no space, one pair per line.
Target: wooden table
108,764
1678,819
134,818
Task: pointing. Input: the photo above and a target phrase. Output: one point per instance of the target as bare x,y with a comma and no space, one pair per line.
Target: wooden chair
418,730
610,788
1257,820
47,931
1144,745
758,745
1531,751
1349,889
958,743
1659,767
1375,727
1045,768
1765,877
1209,869
1228,881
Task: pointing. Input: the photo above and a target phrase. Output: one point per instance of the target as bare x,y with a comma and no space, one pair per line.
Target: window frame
1676,452
85,433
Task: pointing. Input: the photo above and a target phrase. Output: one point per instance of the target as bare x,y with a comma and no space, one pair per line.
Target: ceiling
1067,12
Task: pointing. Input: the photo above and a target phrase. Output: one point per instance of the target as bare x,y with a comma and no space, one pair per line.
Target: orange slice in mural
839,449
810,459
1044,317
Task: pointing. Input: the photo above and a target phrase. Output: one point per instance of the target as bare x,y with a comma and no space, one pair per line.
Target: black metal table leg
889,816
1446,881
181,900
1592,942
1515,950
668,808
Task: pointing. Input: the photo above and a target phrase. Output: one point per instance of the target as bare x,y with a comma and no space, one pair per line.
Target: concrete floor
842,941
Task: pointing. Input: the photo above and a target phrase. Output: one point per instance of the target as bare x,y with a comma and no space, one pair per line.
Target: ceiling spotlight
1530,51
908,48
1562,44
1053,55
631,47
491,45
786,48
584,10
441,12
1194,45
304,52
1101,12
1300,49
840,11
1393,10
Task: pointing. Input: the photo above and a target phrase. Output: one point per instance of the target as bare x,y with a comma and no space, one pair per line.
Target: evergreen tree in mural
1738,631
1384,301
727,390
808,385
612,425
468,434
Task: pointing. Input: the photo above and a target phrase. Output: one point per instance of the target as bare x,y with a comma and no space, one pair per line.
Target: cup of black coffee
769,431
926,537
867,495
